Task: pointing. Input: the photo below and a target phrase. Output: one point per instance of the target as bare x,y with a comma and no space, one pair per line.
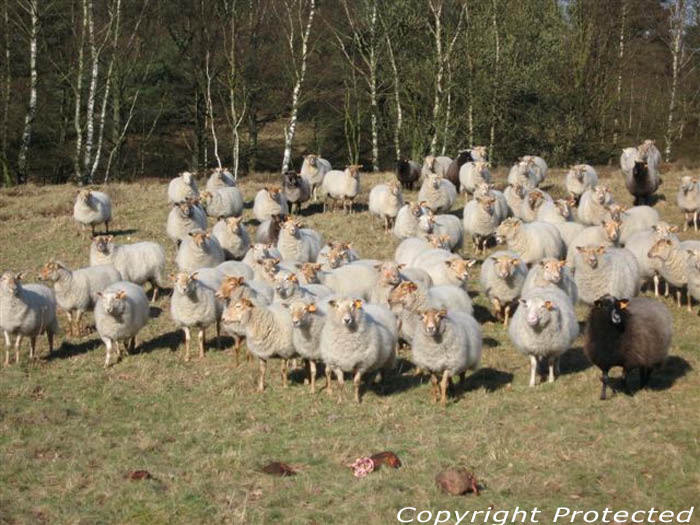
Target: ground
71,432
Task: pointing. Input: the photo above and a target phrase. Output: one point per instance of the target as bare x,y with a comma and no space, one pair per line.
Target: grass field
71,432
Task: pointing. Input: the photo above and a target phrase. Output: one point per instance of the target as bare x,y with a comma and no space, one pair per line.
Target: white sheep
555,212
633,220
354,279
599,270
298,244
502,278
236,269
268,202
446,343
343,186
693,269
26,310
641,242
314,169
674,258
438,165
580,178
385,201
531,241
607,234
688,200
531,205
444,226
502,207
480,153
182,188
183,218
288,289
199,250
480,220
538,166
92,208
220,178
515,196
544,327
308,319
551,273
592,208
120,312
523,173
139,263
336,254
437,194
76,290
444,267
358,339
268,231
471,174
406,223
222,202
412,248
232,236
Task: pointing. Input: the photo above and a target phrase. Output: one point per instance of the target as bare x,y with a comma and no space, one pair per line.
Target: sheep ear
402,266
600,250
193,276
333,303
21,275
442,312
523,302
561,264
542,263
172,277
471,262
120,294
99,294
448,262
311,307
624,303
673,229
549,305
581,249
357,303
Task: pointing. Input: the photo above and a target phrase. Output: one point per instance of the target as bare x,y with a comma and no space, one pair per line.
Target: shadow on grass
311,209
661,379
127,231
483,315
394,382
489,379
170,340
572,361
69,349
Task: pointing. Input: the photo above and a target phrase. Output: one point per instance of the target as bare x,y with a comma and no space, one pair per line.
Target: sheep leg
218,335
644,376
69,330
341,383
695,219
443,387
434,387
667,289
604,379
78,328
686,221
155,292
8,344
312,375
18,341
283,370
690,301
533,369
261,376
329,380
498,310
108,345
552,366
92,226
187,343
656,284
32,347
201,338
678,297
131,346
506,314
107,227
357,383
237,347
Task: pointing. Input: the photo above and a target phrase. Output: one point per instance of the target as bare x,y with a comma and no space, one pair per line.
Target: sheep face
275,193
301,313
286,284
104,244
664,230
612,308
432,321
238,313
311,159
234,224
339,254
187,178
206,197
416,209
578,172
483,189
694,259
505,265
602,195
640,170
184,283
390,273
552,270
481,152
310,272
403,295
291,227
661,249
353,170
113,302
10,284
487,204
688,184
292,179
434,180
645,148
229,287
426,223
535,199
591,254
539,313
564,208
439,241
51,271
612,230
346,312
507,229
269,265
84,197
460,268
200,239
429,163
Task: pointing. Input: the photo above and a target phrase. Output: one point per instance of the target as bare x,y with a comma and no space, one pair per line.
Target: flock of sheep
291,295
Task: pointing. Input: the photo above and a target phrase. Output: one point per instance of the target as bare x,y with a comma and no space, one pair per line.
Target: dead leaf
386,458
277,468
139,474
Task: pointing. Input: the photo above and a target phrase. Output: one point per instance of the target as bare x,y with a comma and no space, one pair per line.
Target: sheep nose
296,322
347,320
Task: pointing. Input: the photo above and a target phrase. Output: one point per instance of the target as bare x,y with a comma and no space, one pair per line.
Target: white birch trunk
397,98
78,100
677,14
621,56
497,42
210,113
31,110
448,110
90,111
300,72
373,87
236,118
7,87
437,95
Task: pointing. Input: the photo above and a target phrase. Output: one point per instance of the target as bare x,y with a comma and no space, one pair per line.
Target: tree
32,8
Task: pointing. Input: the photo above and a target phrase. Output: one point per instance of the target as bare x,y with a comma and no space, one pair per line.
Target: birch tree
397,95
78,96
677,19
234,84
32,8
6,94
496,76
621,57
293,21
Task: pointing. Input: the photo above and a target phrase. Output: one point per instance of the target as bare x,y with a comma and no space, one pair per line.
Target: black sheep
296,190
633,333
452,173
408,172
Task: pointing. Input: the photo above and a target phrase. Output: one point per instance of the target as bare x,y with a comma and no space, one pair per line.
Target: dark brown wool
408,173
453,170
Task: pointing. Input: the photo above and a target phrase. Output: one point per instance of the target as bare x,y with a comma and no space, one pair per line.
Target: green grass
71,432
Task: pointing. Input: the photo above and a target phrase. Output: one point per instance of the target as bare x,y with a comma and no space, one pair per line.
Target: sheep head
51,271
488,204
199,238
103,243
508,229
552,270
661,249
612,229
347,311
481,152
535,198
389,272
591,254
602,194
403,294
113,302
187,178
229,285
238,312
612,308
538,312
432,321
310,272
10,283
505,265
234,223
301,312
563,207
416,208
460,267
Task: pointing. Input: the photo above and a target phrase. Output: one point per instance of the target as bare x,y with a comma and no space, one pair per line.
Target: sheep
580,178
385,201
633,220
674,267
693,268
235,269
354,279
445,268
287,289
92,208
641,242
336,254
446,344
222,202
220,178
555,212
515,196
688,200
357,338
391,275
314,169
194,304
298,244
480,153
437,194
406,222
543,327
232,236
501,205
308,319
26,311
199,250
631,333
502,277
255,257
182,188
568,231
269,201
233,288
531,241
444,226
531,205
138,263
538,167
438,165
410,249
523,173
76,290
472,174
297,190
268,333
341,186
592,206
407,172
551,273
599,270
268,232
640,167
120,313
480,220
183,218
408,298
455,168
607,234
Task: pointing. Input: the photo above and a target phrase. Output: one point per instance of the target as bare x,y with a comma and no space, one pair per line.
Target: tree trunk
22,159
621,56
6,95
210,114
373,87
90,111
437,94
397,97
300,73
78,174
497,43
677,14
448,110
